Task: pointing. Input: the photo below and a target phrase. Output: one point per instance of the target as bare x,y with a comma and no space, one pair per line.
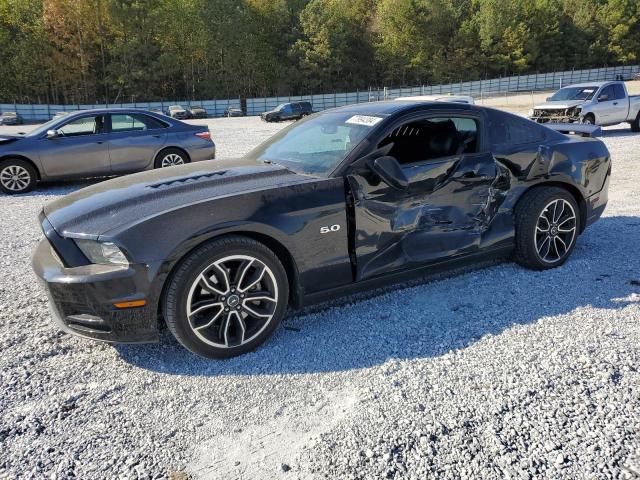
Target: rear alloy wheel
171,157
547,227
226,298
17,176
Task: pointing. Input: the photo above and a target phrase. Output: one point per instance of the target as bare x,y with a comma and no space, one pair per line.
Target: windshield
316,145
574,93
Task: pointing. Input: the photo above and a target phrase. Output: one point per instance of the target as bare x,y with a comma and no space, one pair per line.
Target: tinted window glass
506,129
432,138
83,126
618,91
130,123
608,91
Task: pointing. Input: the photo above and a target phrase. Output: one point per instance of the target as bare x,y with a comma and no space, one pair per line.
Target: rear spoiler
576,129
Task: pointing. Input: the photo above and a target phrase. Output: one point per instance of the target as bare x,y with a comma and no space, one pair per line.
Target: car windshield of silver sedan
574,93
316,145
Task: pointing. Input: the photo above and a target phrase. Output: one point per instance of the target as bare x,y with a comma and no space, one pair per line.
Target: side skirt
435,271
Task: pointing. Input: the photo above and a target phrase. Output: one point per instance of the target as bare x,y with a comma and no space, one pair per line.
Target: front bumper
82,298
557,116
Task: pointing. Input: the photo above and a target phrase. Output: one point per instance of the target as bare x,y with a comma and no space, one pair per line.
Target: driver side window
83,126
432,139
607,94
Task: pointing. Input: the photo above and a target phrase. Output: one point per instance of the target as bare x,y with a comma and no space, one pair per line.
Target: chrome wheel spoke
220,289
253,279
201,306
557,240
546,246
211,321
556,215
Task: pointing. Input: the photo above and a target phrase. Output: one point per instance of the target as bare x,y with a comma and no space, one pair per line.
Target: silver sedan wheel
15,178
232,301
555,231
171,160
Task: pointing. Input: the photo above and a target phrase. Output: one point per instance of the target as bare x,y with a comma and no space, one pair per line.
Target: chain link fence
255,106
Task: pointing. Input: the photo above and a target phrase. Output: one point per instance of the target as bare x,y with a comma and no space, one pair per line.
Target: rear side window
618,91
506,129
132,123
609,92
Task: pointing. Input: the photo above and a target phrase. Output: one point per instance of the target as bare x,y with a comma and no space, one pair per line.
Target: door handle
615,103
100,142
156,136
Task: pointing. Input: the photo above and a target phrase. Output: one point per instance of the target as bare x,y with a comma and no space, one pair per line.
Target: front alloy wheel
226,298
17,176
232,301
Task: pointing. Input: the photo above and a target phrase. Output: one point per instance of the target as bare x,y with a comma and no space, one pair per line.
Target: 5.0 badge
332,228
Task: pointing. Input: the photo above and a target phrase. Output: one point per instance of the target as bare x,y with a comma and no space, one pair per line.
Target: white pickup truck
595,103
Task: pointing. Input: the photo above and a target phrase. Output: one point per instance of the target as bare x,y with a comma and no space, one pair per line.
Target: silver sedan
94,143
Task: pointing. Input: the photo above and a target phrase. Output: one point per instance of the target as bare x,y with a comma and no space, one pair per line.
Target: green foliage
86,51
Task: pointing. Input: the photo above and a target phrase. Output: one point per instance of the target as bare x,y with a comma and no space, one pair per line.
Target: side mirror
52,134
389,170
603,98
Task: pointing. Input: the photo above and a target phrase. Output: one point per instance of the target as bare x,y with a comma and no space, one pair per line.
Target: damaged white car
595,103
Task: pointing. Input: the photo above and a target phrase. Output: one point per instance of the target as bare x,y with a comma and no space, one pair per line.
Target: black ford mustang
347,199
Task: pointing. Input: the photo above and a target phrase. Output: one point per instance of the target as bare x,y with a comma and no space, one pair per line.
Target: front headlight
104,253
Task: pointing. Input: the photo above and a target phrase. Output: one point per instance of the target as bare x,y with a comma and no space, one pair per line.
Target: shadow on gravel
432,318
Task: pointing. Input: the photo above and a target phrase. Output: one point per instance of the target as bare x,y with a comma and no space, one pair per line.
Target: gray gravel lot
494,373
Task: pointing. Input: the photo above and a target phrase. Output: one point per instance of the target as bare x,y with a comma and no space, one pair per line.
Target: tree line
96,51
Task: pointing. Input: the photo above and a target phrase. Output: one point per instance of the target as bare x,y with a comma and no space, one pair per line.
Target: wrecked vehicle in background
345,200
593,103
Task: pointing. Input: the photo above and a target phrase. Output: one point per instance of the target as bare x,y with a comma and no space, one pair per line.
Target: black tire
635,125
169,157
185,286
17,176
531,240
589,119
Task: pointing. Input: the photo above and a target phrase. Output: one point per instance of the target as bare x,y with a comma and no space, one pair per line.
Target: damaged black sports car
344,200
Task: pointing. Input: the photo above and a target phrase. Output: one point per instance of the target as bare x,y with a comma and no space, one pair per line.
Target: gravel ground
494,373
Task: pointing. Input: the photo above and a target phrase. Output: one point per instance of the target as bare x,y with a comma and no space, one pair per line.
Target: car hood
559,105
10,138
116,203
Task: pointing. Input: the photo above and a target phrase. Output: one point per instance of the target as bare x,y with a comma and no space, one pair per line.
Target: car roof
591,84
108,110
392,107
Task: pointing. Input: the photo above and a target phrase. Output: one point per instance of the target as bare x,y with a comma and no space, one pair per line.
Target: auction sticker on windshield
365,120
